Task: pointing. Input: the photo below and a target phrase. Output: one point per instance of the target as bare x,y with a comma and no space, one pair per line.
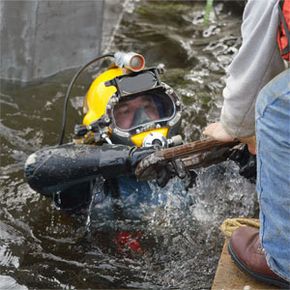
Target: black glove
246,161
164,171
161,171
57,168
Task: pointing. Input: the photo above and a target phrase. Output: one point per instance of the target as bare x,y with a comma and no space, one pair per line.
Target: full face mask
141,109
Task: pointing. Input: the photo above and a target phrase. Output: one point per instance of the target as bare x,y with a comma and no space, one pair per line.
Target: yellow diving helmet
131,106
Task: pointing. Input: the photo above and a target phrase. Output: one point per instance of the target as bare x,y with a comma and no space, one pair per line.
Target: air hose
67,95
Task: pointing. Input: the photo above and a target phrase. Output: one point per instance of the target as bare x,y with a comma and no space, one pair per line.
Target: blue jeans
273,171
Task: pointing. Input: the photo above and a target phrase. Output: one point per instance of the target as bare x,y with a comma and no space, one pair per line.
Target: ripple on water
8,283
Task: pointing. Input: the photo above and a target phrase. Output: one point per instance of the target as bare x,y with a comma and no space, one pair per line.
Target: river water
42,247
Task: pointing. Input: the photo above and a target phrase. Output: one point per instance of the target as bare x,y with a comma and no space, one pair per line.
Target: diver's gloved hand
57,168
164,172
136,155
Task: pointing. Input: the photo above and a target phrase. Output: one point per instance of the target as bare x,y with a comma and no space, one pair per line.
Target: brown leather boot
247,253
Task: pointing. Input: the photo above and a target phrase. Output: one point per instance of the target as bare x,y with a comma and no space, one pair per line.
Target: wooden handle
192,148
193,154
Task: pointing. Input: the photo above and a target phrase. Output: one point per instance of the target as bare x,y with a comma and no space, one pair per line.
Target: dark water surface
42,247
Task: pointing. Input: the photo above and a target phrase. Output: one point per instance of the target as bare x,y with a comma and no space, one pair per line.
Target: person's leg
273,172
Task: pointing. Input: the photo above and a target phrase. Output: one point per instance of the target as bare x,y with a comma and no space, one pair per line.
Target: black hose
69,91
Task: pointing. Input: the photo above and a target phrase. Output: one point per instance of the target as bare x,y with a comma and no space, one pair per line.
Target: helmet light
133,61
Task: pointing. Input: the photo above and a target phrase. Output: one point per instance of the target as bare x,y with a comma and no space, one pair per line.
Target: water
42,247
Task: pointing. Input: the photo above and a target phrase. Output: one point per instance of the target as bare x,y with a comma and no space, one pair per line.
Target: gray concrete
113,14
42,37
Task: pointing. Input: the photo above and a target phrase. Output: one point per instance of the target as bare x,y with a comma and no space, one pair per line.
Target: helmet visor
140,109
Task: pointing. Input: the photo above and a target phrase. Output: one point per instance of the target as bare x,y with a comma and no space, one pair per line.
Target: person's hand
216,131
155,167
251,142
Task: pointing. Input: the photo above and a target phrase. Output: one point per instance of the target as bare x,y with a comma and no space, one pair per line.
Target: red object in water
127,240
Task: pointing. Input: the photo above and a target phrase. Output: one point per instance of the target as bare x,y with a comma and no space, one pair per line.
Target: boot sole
255,275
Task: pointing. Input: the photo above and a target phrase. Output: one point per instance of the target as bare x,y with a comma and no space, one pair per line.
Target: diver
129,114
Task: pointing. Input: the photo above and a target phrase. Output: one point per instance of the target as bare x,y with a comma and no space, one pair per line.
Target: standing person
257,102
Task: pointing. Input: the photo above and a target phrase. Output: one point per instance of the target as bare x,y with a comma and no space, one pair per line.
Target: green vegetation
208,10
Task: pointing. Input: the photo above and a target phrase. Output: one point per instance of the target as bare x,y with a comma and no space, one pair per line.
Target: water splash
97,193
